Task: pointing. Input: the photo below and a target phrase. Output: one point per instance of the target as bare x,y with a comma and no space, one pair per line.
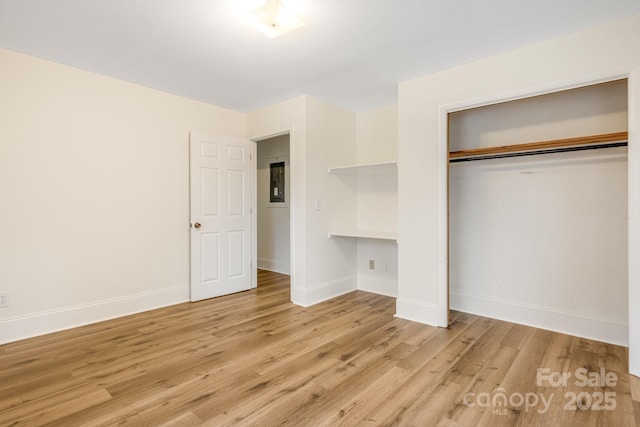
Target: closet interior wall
542,240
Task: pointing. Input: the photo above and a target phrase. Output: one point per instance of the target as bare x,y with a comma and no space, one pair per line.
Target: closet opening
537,211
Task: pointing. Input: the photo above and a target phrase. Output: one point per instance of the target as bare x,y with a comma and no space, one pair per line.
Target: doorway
273,202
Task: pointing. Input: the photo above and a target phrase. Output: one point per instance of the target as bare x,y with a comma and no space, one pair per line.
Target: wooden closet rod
617,139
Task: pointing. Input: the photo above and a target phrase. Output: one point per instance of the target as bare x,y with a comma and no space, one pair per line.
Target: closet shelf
583,142
368,234
366,169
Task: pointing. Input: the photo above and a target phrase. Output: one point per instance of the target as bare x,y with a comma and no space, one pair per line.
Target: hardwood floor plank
105,414
467,411
448,346
346,378
254,358
185,419
45,410
634,383
480,372
356,411
279,413
447,396
268,388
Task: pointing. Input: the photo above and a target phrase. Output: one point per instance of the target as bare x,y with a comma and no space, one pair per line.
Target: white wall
377,130
590,110
377,142
331,133
578,59
321,135
542,240
377,200
94,181
273,219
290,117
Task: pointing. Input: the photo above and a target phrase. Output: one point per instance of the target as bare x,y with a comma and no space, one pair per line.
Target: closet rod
536,152
584,142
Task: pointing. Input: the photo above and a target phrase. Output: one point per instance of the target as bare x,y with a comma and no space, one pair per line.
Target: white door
220,178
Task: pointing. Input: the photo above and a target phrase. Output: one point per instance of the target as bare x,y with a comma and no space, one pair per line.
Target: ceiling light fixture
274,18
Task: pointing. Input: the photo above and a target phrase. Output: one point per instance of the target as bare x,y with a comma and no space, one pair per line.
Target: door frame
632,74
292,206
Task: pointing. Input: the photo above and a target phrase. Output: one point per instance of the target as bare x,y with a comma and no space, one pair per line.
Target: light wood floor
256,359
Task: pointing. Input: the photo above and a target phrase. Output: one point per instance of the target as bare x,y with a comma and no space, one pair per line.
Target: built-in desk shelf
370,170
366,169
367,234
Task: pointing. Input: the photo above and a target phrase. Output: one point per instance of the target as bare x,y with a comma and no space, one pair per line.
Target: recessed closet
538,233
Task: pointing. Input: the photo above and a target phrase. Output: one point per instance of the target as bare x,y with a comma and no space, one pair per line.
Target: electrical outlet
372,264
4,299
386,267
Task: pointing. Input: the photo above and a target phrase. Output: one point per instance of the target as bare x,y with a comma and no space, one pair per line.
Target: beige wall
94,190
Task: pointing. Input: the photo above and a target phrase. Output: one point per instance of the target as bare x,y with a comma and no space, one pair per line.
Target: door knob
197,225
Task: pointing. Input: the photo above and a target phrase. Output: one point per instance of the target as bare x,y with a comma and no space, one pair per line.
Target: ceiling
351,52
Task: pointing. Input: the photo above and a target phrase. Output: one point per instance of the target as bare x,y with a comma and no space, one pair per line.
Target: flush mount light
275,18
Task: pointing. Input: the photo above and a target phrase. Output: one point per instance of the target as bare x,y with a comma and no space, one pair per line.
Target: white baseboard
273,265
418,311
309,296
604,330
34,324
378,286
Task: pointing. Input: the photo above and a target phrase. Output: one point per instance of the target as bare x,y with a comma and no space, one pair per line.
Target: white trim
634,219
442,244
315,294
31,325
273,265
296,192
549,318
384,287
273,270
442,219
417,311
271,135
552,87
254,214
293,191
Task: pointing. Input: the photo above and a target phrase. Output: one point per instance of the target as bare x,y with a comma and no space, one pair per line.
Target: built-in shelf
367,234
371,170
366,169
